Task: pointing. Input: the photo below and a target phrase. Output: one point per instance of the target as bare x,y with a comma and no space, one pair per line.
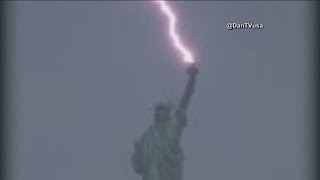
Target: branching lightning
174,36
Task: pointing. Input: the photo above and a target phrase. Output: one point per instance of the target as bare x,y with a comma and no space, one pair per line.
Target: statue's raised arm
192,71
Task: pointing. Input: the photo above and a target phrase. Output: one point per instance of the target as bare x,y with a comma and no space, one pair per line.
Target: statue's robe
158,155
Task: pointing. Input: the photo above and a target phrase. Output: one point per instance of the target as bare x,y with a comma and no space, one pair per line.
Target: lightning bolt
174,36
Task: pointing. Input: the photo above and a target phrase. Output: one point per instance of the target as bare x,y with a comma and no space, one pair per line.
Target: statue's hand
192,69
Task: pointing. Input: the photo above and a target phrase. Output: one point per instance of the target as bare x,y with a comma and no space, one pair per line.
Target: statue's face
162,113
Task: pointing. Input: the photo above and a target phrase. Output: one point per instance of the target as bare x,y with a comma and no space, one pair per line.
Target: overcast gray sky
84,77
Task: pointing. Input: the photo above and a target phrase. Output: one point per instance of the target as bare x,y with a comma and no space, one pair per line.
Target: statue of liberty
158,154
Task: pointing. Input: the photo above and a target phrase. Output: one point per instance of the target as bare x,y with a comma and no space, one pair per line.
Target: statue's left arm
192,71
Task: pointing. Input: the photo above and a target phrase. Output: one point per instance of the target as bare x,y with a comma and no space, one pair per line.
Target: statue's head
163,111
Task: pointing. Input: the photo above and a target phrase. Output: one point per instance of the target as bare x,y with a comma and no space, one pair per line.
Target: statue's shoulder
179,118
179,112
149,132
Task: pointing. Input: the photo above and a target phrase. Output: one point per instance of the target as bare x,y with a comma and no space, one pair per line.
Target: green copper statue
158,154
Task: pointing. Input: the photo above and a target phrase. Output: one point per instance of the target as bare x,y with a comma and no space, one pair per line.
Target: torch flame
167,10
